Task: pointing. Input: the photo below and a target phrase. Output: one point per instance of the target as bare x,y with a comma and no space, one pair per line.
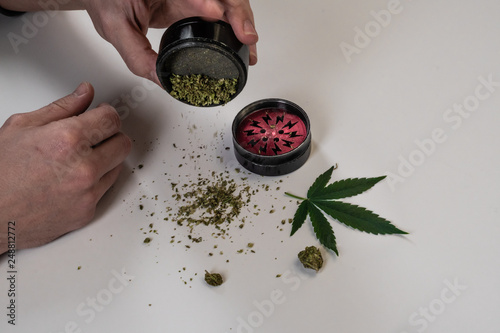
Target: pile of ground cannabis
216,201
201,90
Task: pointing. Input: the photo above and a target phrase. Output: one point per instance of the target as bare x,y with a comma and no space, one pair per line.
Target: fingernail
82,89
248,28
253,58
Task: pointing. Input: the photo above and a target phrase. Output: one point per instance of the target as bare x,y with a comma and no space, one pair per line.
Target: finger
110,154
240,16
99,124
209,10
68,106
135,50
106,181
253,55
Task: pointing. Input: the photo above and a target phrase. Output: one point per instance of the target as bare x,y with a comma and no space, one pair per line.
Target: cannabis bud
213,279
311,258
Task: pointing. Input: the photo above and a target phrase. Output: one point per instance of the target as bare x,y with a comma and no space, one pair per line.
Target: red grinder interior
271,131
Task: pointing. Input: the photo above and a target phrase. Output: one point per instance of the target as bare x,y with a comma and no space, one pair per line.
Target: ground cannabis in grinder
201,90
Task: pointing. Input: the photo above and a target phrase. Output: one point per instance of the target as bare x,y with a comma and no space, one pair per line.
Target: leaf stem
294,196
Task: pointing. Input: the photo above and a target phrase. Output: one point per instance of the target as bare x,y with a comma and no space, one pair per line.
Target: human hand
124,23
56,164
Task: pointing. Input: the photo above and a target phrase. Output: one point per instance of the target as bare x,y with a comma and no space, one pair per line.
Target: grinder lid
196,46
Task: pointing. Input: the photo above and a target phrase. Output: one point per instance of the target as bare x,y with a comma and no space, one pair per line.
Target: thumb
68,106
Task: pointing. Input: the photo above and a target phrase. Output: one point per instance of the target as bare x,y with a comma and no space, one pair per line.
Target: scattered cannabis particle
196,239
201,90
311,258
320,198
147,240
213,279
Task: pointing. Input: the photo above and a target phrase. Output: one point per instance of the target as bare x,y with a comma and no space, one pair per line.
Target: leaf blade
358,217
346,188
300,216
320,182
322,228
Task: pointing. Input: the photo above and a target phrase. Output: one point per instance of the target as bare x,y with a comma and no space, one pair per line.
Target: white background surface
367,115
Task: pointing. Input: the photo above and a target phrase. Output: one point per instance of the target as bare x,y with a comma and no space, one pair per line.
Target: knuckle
68,139
111,117
126,143
106,26
134,64
88,204
86,175
17,120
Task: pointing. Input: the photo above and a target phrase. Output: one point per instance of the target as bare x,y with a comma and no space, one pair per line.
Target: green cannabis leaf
321,199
